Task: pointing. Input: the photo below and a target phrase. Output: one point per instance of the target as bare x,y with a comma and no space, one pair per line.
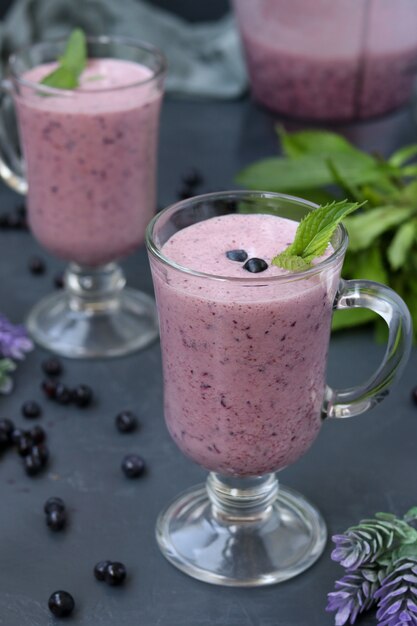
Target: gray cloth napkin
204,59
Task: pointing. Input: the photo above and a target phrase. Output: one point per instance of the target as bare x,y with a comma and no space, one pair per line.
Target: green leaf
363,229
71,63
313,142
313,234
352,191
61,78
401,156
305,172
400,246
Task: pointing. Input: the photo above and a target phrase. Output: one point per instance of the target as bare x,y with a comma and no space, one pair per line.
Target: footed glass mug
244,363
89,172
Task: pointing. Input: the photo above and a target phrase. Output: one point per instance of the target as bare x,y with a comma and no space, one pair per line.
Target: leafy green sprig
323,167
70,65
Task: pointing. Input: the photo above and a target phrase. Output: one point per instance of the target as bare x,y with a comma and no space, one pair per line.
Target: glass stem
242,499
94,289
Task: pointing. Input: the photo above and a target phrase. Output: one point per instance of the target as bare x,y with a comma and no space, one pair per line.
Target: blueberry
193,178
6,428
61,603
37,434
63,395
414,394
237,255
126,422
31,410
37,266
49,388
56,519
115,574
33,465
4,222
82,395
133,465
59,280
100,570
255,265
54,504
24,444
52,366
16,435
40,452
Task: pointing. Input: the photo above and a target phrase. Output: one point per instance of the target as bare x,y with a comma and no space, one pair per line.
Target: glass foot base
129,325
287,540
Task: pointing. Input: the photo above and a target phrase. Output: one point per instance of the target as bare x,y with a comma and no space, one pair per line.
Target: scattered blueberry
16,435
37,266
49,388
31,410
63,395
24,444
6,428
41,452
126,422
414,394
115,574
37,434
56,519
255,265
54,503
4,221
133,465
100,570
61,603
59,280
237,255
193,178
82,395
33,465
52,366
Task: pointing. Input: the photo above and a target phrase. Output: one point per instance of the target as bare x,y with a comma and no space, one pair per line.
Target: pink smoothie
90,157
330,60
244,361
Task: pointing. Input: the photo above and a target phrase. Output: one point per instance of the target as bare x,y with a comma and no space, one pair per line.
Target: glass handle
384,301
11,165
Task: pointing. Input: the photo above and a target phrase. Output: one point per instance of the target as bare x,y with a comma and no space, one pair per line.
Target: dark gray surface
356,468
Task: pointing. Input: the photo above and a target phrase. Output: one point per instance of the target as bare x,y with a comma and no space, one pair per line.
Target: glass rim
157,253
98,39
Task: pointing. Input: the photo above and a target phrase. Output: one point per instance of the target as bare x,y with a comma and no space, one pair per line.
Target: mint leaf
313,235
363,229
71,63
401,156
313,142
401,244
309,171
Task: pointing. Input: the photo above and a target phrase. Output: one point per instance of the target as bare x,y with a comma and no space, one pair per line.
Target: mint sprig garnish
313,235
71,64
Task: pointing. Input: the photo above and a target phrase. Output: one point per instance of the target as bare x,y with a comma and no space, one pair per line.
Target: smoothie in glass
244,365
90,158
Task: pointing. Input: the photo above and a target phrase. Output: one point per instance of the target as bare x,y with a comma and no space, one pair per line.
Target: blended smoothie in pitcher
244,359
90,157
330,60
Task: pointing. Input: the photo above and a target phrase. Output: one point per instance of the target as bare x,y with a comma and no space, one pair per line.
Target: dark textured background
357,466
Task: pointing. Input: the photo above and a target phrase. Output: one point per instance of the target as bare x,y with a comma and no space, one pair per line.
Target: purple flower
14,340
397,596
354,594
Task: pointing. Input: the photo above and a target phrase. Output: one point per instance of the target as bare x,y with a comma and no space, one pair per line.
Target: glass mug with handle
244,361
90,174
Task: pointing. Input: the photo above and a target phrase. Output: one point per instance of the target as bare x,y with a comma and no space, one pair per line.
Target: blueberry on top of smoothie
255,265
237,255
